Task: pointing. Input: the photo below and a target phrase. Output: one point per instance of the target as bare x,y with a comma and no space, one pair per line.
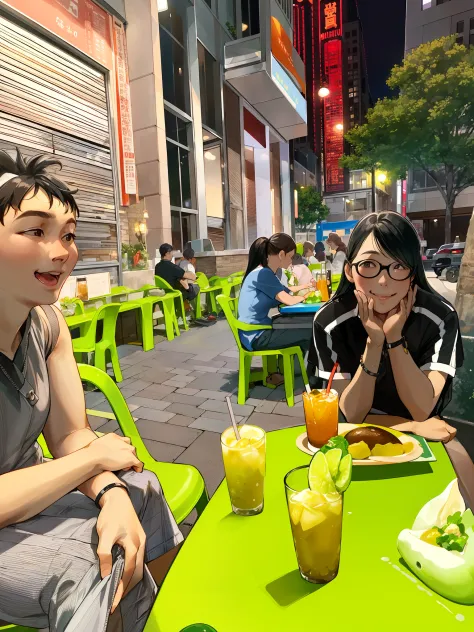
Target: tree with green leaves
311,208
428,125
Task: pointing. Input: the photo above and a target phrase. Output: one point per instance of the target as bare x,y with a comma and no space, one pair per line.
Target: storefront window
250,18
183,228
209,80
175,72
180,163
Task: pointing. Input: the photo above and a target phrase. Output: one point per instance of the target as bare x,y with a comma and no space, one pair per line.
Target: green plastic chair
179,301
335,280
167,308
183,485
315,266
211,291
299,249
245,357
87,343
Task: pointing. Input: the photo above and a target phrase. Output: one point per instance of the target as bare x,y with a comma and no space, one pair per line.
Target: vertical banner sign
80,22
404,198
331,67
125,130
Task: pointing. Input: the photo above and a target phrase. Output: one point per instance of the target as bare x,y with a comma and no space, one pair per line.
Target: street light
382,177
323,92
339,127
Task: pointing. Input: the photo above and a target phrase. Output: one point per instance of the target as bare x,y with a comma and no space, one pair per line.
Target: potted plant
68,306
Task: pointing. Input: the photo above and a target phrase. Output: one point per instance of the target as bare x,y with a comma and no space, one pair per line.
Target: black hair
319,247
32,174
188,253
263,247
396,236
165,249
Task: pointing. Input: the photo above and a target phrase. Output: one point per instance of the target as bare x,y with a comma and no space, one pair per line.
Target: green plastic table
240,573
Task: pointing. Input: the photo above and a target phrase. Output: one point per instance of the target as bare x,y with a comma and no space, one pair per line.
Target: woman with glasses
397,343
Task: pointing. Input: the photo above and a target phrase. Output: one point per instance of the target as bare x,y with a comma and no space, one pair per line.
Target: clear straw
232,418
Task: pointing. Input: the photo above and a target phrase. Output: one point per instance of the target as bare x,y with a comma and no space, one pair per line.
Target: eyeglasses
369,269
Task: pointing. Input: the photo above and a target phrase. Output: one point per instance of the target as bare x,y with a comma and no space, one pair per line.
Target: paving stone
93,398
218,364
197,374
163,451
191,400
211,414
277,394
184,409
248,402
176,383
185,529
181,371
181,420
96,422
153,415
155,404
187,391
130,371
106,408
157,391
221,407
216,382
131,382
283,409
216,395
205,369
265,406
273,422
259,392
154,376
176,435
206,454
212,425
226,371
110,426
130,391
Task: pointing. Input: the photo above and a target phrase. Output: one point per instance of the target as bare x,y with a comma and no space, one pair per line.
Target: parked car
430,252
448,255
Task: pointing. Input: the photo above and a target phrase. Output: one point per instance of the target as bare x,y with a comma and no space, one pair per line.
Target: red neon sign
333,117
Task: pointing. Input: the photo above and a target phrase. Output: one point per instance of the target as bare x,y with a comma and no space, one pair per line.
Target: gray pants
282,339
49,569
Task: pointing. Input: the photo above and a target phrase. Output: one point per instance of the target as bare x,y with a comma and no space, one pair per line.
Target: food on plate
371,436
336,442
439,548
359,450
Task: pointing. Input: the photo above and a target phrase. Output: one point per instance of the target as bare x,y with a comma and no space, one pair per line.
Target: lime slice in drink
319,476
344,476
333,458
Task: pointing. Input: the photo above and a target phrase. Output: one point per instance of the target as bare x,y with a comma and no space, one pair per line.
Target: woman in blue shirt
261,291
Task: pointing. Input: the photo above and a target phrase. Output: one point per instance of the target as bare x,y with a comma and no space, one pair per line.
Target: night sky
384,35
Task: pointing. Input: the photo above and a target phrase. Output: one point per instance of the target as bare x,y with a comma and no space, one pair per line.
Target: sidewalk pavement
176,393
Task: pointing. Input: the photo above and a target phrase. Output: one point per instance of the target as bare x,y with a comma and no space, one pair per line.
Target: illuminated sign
287,87
283,51
331,18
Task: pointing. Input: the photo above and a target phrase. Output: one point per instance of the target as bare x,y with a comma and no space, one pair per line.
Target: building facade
427,20
328,36
64,94
217,93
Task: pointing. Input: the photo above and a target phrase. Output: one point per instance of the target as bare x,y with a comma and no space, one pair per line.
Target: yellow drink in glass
316,524
244,464
321,413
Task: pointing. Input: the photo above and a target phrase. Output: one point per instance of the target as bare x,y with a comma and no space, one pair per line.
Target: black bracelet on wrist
371,373
402,341
106,489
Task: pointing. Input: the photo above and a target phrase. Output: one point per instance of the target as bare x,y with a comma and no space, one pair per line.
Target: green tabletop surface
239,574
80,319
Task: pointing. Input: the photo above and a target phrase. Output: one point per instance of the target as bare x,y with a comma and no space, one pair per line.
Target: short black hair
31,174
165,249
188,253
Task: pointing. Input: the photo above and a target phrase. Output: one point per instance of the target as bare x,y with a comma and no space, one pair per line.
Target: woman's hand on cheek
397,317
372,325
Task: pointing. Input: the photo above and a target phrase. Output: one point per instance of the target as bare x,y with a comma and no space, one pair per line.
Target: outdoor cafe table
299,316
239,574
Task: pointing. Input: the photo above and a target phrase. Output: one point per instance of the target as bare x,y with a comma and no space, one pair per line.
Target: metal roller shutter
53,103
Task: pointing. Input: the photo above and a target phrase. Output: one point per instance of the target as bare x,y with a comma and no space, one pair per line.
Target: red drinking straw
331,377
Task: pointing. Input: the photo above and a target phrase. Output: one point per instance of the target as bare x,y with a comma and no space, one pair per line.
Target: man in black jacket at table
175,275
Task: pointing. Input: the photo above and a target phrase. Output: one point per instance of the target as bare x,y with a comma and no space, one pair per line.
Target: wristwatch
402,341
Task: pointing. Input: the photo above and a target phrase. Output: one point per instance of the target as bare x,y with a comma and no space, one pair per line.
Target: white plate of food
370,444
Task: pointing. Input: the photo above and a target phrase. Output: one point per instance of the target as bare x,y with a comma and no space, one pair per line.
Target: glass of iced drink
244,464
321,413
316,524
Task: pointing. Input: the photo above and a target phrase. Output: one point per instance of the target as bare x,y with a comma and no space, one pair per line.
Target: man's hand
118,523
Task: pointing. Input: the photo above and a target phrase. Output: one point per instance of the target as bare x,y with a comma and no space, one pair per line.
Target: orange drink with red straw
321,412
